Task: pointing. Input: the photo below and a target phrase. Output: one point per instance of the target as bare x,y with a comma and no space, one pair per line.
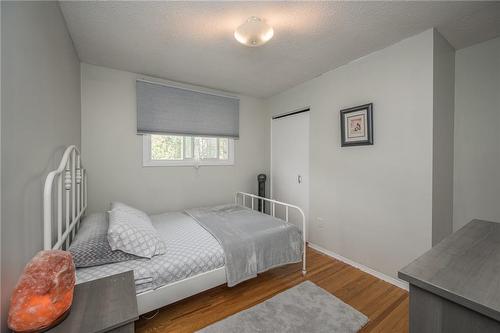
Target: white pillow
131,231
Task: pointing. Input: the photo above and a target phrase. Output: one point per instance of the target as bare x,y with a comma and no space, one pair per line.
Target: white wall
376,201
477,134
112,152
442,170
1,289
40,116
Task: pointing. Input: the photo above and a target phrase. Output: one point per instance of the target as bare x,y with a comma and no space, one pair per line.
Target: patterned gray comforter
190,250
253,242
246,242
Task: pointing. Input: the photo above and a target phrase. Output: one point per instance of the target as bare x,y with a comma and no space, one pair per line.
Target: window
179,150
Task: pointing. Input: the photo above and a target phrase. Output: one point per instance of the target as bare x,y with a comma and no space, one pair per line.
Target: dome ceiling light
254,32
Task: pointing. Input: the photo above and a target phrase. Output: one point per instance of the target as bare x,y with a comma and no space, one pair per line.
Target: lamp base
53,324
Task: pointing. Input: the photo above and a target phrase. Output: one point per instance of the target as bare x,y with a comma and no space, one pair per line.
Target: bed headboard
65,205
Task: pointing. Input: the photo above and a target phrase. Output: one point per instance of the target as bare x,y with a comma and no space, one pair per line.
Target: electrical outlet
320,222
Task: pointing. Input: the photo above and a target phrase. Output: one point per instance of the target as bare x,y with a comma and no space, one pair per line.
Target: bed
205,247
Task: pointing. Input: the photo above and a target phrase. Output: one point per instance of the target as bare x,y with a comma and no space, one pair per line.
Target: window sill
185,164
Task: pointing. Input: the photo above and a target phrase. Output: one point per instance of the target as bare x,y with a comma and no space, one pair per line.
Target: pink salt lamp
44,292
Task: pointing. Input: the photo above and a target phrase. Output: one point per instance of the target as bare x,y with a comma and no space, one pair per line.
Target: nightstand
104,305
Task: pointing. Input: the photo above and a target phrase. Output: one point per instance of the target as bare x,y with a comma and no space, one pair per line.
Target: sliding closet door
290,161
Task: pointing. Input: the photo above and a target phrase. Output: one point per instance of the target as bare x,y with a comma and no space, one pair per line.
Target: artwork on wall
356,125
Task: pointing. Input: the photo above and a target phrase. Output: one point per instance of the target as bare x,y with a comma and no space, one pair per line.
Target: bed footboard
241,198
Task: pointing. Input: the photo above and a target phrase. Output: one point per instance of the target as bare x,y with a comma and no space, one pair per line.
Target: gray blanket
252,242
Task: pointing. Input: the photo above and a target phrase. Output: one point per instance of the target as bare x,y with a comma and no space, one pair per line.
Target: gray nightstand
105,305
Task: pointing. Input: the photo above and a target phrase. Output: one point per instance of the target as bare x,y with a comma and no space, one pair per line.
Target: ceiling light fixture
254,32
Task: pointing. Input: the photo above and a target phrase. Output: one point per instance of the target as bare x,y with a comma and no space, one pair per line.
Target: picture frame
356,126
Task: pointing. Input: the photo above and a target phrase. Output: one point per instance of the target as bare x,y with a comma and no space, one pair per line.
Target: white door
290,162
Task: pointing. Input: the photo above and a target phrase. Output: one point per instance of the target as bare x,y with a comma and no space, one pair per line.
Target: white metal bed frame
71,178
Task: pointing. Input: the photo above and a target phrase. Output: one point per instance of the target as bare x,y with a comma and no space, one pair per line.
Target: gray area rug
303,308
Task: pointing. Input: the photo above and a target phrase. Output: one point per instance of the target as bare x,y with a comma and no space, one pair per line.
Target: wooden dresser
455,286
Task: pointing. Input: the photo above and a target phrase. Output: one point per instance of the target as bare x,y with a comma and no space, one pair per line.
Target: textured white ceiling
193,42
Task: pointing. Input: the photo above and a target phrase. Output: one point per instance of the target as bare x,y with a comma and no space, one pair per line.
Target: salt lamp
44,292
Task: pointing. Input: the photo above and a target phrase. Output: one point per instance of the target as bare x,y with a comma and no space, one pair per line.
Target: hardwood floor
385,305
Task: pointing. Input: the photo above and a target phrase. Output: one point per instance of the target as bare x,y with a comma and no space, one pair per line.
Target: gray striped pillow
91,247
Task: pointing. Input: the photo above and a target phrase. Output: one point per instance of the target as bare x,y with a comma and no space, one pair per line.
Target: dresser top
463,268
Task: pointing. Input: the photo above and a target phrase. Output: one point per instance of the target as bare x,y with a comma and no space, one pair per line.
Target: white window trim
148,162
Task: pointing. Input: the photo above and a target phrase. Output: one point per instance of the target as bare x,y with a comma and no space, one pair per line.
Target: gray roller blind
170,110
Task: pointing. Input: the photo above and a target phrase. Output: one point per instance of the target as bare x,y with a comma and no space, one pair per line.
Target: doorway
290,161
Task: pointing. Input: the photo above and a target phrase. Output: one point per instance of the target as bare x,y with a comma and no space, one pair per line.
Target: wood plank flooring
385,305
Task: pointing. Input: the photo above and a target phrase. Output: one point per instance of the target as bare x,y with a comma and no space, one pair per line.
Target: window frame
148,162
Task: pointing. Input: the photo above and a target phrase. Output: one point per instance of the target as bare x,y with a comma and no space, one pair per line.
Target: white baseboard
397,282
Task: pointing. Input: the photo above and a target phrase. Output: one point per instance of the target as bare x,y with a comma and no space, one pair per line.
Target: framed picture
356,125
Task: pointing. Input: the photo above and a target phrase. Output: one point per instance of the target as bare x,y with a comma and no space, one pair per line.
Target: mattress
190,250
